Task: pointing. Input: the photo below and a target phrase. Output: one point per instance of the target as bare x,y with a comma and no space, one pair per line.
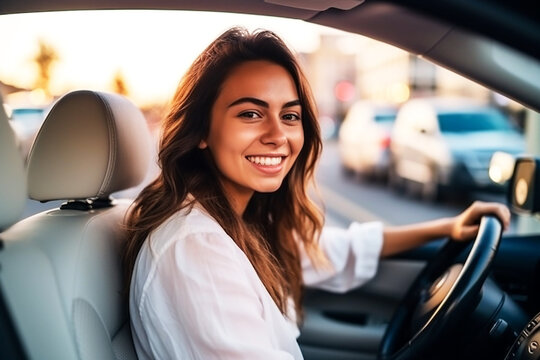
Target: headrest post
88,204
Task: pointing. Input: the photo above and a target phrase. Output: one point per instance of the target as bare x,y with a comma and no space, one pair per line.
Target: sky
151,49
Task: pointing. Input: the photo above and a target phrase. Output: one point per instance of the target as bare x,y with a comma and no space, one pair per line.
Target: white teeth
265,160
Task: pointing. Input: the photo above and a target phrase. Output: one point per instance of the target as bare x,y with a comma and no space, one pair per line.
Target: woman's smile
266,160
270,165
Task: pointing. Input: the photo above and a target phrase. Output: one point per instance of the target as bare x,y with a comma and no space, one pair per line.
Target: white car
446,144
364,138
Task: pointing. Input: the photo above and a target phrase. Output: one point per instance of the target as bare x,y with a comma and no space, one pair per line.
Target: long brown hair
273,223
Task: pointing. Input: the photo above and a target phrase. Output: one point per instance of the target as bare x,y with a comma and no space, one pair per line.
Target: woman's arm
462,227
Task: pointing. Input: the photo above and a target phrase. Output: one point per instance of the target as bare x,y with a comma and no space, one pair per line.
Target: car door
351,326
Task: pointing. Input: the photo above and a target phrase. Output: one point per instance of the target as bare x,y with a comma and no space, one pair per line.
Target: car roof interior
385,21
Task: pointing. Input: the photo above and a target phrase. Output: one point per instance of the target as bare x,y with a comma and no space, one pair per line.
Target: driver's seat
61,269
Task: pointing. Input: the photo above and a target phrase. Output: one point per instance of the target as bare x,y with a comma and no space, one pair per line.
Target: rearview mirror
524,190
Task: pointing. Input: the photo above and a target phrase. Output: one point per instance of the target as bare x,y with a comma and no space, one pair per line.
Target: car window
146,62
463,122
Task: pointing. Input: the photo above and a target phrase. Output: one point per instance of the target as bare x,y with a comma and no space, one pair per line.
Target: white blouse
195,295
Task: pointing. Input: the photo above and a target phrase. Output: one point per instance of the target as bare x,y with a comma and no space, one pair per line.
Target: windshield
483,120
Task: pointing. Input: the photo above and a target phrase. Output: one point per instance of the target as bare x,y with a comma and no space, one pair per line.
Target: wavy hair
273,224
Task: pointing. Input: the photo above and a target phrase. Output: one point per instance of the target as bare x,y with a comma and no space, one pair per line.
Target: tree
119,84
45,60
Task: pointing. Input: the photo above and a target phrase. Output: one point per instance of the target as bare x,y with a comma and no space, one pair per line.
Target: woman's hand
466,224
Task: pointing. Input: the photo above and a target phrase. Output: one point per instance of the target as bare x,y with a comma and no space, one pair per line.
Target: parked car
61,287
26,122
364,138
446,144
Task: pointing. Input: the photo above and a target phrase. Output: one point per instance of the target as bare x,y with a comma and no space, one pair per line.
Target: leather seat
61,269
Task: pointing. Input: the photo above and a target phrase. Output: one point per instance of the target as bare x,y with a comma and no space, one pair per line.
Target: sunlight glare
151,49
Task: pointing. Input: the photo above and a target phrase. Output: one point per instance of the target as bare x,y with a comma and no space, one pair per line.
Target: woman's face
256,130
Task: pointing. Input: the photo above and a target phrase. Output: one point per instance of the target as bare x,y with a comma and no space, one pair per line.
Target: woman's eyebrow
262,103
292,103
249,100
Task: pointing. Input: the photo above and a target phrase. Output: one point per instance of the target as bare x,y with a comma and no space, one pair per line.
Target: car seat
61,269
12,201
13,179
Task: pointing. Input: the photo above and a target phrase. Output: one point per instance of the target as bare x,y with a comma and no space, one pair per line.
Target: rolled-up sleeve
353,256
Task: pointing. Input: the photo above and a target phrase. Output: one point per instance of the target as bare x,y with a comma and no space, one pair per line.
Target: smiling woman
243,103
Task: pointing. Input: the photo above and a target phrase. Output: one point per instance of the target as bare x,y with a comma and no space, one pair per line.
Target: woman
222,242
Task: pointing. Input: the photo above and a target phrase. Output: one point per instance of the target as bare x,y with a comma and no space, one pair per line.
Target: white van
364,138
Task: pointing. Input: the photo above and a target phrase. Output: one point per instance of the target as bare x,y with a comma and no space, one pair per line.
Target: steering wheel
444,292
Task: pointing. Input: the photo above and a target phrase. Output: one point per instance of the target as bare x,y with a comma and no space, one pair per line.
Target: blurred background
405,140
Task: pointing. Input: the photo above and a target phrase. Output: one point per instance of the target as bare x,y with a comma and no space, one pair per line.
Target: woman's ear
203,144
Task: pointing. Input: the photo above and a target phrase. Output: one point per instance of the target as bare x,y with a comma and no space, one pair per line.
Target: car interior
61,290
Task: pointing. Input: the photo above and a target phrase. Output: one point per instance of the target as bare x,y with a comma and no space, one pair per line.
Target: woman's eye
250,115
291,117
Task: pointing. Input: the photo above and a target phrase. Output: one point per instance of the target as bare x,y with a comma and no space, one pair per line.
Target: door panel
351,325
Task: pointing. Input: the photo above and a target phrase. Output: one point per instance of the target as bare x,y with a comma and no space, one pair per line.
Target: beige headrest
90,145
12,176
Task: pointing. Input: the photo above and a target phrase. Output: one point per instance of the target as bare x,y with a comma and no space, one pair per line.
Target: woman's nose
274,132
